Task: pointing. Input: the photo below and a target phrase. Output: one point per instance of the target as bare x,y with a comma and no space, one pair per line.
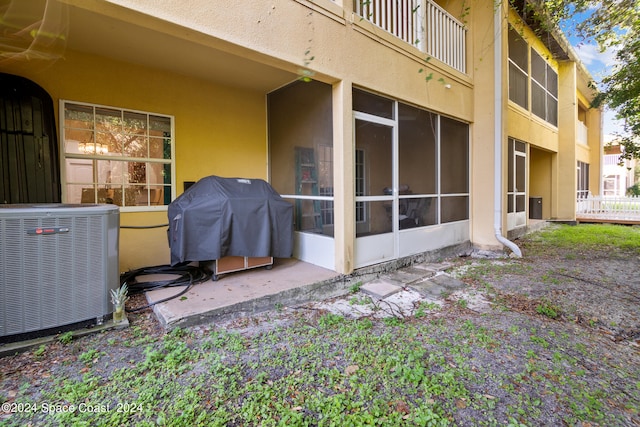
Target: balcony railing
609,208
421,23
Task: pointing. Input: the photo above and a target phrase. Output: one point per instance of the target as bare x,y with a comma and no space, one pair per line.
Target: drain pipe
497,190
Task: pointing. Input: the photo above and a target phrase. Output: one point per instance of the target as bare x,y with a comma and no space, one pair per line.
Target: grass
590,236
432,369
336,371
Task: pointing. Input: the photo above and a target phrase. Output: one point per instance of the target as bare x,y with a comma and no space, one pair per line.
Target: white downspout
497,190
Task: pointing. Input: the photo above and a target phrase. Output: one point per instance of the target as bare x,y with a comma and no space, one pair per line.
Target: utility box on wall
58,263
535,207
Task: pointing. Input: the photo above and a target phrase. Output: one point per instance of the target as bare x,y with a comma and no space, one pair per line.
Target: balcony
422,24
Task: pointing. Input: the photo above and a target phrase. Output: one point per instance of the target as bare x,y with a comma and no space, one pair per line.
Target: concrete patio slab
293,283
290,281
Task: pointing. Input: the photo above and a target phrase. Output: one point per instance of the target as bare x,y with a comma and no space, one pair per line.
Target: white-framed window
544,89
115,155
325,178
361,185
432,164
611,185
517,176
582,182
533,84
518,69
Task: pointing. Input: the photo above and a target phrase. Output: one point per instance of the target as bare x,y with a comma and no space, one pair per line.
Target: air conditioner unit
57,265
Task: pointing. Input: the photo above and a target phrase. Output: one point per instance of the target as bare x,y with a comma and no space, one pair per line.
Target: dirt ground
587,302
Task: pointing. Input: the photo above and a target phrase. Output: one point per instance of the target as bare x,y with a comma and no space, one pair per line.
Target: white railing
421,23
612,159
611,208
582,135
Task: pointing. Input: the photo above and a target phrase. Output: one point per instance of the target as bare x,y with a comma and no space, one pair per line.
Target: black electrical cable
188,275
144,227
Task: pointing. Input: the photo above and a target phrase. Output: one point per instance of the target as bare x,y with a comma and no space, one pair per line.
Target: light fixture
91,148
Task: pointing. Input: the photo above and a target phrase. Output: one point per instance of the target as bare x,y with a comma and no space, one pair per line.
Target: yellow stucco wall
222,130
522,124
540,179
218,130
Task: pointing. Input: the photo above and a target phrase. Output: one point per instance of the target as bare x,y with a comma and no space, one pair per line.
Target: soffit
551,40
102,35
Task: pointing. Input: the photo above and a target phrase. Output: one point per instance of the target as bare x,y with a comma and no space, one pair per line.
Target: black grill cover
219,217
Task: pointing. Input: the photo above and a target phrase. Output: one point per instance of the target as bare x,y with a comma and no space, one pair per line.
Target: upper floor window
518,69
113,155
544,89
532,80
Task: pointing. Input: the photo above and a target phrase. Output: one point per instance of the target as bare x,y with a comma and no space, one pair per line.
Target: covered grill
218,217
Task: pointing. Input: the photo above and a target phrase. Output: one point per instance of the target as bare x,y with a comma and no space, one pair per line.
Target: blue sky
599,64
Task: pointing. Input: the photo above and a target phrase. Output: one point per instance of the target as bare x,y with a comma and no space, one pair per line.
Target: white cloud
597,62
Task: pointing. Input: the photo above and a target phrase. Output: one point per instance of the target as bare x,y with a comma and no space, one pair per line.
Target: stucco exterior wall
332,42
221,122
218,130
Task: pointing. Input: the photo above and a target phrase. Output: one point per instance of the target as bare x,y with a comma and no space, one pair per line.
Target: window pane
307,215
511,184
309,106
375,172
76,194
372,104
78,141
552,81
417,212
377,218
518,49
520,203
135,146
552,110
454,209
520,173
137,172
325,170
111,142
538,68
153,195
538,100
126,196
106,134
417,150
134,123
159,125
159,148
454,157
585,185
108,120
78,116
108,172
518,86
155,173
